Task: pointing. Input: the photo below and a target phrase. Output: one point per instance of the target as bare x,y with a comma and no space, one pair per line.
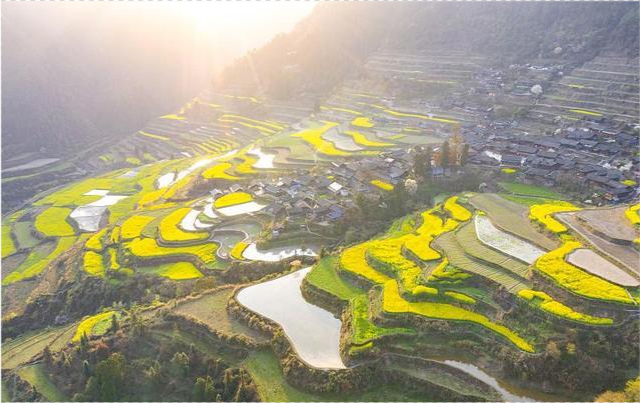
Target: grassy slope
212,309
325,277
35,375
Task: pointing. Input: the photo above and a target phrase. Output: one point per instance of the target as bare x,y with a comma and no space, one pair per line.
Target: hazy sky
202,36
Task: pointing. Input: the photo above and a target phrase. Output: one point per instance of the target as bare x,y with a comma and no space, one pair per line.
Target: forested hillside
69,79
336,38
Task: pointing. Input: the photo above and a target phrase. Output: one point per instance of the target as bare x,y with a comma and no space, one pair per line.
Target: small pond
265,160
275,254
238,209
314,332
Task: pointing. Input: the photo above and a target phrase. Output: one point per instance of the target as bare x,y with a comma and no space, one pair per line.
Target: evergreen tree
465,155
428,156
199,390
209,389
444,154
114,323
84,342
86,368
110,375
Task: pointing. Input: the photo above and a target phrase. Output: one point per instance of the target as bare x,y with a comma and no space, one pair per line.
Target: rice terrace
344,213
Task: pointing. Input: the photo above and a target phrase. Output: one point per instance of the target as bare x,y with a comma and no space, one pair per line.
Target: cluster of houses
595,154
324,197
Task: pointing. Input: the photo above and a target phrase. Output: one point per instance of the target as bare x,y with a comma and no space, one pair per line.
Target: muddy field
612,223
590,261
625,255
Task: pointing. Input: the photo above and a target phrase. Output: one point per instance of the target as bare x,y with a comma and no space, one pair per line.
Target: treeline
142,363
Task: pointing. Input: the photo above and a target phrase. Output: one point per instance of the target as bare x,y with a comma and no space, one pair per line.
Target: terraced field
22,349
511,217
211,308
457,257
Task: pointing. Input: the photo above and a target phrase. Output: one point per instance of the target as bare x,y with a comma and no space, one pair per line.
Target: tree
465,155
84,342
444,154
114,323
631,393
199,390
110,375
180,363
86,368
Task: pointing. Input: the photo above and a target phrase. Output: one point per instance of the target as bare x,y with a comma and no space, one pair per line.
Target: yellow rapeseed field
394,303
232,199
548,304
170,232
576,280
543,213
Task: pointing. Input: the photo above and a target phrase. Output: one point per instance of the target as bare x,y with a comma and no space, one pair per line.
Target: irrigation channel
315,333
